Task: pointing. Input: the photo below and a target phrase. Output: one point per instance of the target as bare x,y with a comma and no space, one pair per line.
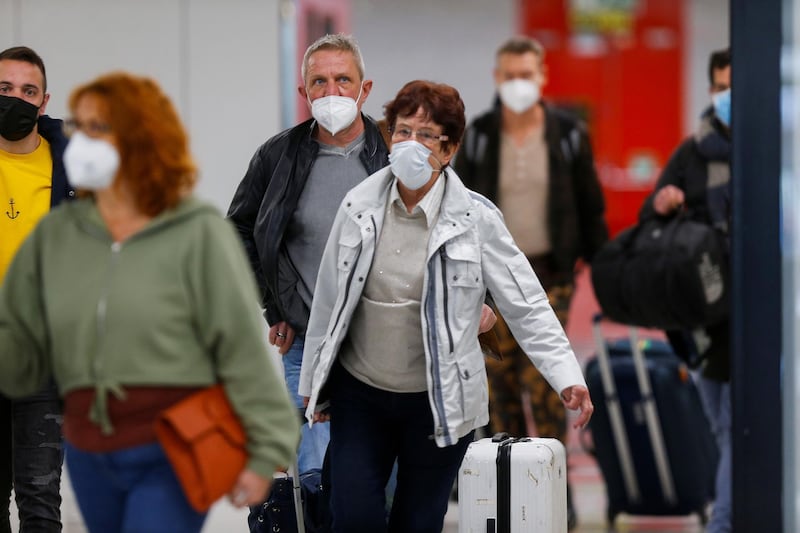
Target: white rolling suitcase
510,485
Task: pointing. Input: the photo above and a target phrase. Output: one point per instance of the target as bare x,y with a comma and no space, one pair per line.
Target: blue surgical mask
722,106
409,162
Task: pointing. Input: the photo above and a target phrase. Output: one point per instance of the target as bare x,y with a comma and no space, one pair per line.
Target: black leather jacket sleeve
243,213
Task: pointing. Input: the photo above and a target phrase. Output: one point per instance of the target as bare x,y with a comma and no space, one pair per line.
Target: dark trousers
31,455
370,429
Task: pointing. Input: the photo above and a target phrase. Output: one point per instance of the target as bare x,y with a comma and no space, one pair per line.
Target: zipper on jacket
284,215
444,300
433,343
102,309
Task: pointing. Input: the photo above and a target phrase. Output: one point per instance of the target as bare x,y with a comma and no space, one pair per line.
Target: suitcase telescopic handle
652,419
615,417
653,422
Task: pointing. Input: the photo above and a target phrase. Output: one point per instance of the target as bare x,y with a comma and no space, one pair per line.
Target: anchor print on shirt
13,213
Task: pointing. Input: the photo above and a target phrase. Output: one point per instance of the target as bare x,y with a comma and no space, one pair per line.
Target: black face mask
17,118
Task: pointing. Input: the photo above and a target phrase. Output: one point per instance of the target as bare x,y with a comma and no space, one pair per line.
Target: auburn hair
153,145
440,103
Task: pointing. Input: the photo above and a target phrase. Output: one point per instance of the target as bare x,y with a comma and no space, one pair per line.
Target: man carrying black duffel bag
697,177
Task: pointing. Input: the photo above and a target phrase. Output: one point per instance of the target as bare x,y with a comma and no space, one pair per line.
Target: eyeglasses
92,129
423,136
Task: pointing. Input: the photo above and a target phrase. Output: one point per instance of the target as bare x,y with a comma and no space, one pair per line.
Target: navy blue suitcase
651,438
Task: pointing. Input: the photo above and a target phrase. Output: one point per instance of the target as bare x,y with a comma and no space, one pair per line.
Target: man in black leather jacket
284,207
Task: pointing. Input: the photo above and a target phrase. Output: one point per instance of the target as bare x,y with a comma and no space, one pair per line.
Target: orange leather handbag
205,443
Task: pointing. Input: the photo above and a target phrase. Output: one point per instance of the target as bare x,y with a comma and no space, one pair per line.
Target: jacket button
345,263
455,278
359,216
360,279
349,204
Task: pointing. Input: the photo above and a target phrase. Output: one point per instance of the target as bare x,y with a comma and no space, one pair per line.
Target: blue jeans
370,430
130,491
31,454
716,398
313,440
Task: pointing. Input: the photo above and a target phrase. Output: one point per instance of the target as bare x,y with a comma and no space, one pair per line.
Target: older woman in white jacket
391,354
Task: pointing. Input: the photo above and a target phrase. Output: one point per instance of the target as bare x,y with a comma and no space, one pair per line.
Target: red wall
624,73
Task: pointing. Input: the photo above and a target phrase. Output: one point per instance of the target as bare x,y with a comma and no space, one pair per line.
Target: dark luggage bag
666,273
651,438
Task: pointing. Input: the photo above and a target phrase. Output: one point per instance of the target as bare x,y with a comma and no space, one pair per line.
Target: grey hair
338,41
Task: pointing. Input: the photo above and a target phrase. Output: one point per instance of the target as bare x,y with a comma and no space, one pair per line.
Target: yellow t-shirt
25,187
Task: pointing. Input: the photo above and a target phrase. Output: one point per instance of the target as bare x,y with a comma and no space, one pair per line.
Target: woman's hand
488,319
577,397
250,489
321,413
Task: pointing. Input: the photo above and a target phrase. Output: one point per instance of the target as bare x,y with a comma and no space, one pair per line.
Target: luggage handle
653,421
297,490
615,415
650,411
502,438
298,499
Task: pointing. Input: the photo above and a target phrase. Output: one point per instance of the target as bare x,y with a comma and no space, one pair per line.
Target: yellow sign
602,16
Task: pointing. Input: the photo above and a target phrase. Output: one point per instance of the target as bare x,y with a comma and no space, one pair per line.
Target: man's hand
488,319
321,413
250,489
577,397
668,199
282,336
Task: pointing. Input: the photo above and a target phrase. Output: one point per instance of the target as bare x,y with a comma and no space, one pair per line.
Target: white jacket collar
458,210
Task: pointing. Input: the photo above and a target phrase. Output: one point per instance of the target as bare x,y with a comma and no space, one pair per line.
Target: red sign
619,64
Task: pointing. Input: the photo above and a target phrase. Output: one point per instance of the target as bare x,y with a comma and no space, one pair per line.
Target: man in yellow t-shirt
32,181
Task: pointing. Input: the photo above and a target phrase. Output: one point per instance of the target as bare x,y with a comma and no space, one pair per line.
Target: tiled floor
587,483
585,478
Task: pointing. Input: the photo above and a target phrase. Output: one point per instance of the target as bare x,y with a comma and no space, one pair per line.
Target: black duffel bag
665,272
278,512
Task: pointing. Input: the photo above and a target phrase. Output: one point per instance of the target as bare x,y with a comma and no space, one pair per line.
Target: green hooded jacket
174,305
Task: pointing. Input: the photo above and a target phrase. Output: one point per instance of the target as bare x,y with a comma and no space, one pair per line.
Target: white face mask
409,162
519,95
90,163
335,113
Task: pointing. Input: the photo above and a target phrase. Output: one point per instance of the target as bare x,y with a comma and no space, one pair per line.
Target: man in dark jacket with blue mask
32,181
697,177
